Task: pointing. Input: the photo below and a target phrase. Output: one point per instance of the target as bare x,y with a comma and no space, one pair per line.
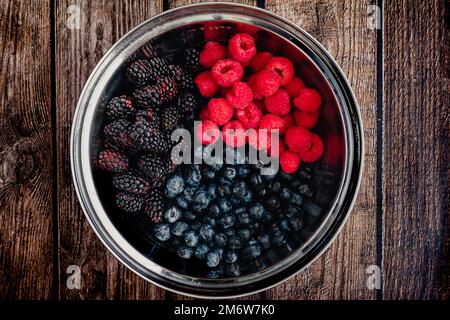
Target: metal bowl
340,126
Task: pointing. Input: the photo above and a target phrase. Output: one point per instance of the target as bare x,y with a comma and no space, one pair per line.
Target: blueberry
206,232
217,165
227,221
229,173
201,201
284,225
208,173
272,203
248,197
211,190
196,225
224,189
265,241
278,237
191,238
262,192
256,227
162,231
214,210
306,190
296,199
200,251
230,256
271,176
174,186
193,175
215,273
242,171
304,174
189,194
245,234
285,194
296,223
285,176
267,216
256,181
185,252
224,205
234,242
179,228
312,209
234,200
230,232
252,250
213,259
181,202
233,270
257,211
188,215
239,210
172,214
209,220
295,184
243,219
220,239
239,189
276,186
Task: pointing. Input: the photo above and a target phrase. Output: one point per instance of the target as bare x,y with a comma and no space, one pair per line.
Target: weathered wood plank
416,263
26,258
341,26
77,52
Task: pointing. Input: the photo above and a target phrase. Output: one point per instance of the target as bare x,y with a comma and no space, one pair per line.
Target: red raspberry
207,132
212,53
206,84
203,115
246,28
271,122
289,161
278,103
314,152
214,31
308,100
260,139
242,47
240,95
298,139
260,104
306,119
233,134
220,111
251,82
267,83
282,67
288,123
250,116
294,86
276,152
260,60
226,72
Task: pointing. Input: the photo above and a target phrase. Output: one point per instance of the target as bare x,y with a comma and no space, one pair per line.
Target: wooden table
400,75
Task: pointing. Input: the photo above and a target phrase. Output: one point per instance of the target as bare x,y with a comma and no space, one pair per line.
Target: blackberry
158,68
183,79
153,168
187,104
154,205
139,73
148,96
150,115
170,118
120,107
118,133
112,161
147,136
191,60
174,71
131,183
129,202
168,88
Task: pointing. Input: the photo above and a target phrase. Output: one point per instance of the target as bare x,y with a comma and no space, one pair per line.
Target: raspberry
214,31
260,139
206,84
240,95
242,47
298,139
278,103
204,115
226,72
306,119
220,111
282,67
120,107
260,60
294,86
314,152
207,132
308,100
251,82
112,161
271,122
233,134
288,123
250,116
289,162
212,53
267,83
246,28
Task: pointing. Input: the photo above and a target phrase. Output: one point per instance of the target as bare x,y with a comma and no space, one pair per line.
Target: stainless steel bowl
340,126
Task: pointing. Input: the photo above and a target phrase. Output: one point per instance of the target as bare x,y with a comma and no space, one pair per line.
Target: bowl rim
112,238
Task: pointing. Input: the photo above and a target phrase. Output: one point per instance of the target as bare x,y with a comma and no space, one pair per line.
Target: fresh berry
149,96
306,119
308,100
206,84
191,238
172,214
289,162
183,79
203,115
191,60
294,86
298,139
226,72
120,107
179,228
185,252
207,132
314,152
158,68
288,123
214,31
282,67
170,118
152,167
139,73
129,202
187,104
260,139
130,183
147,136
201,251
193,175
240,95
162,231
154,205
213,259
174,186
112,161
271,122
278,103
118,133
273,151
267,82
250,116
212,52
251,82
260,60
233,134
168,88
220,111
241,47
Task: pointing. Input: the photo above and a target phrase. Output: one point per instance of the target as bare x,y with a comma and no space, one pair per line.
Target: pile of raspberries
250,89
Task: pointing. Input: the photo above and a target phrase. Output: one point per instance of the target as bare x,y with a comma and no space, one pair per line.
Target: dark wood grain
77,52
26,264
416,249
341,26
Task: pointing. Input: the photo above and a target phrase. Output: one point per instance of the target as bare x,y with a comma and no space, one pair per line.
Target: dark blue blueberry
189,194
224,205
220,239
201,201
255,181
200,251
217,165
245,234
272,203
278,237
256,227
296,199
215,273
179,228
306,190
232,270
208,173
172,214
234,242
284,225
239,189
230,256
230,232
296,223
174,186
262,192
193,175
224,189
239,210
206,232
285,177
243,219
304,174
209,220
212,190
185,252
196,225
234,200
248,197
257,211
191,238
312,209
265,241
268,216
227,221
181,202
292,211
269,177
214,210
295,184
162,231
242,171
189,216
213,259
285,194
252,250
276,186
229,173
